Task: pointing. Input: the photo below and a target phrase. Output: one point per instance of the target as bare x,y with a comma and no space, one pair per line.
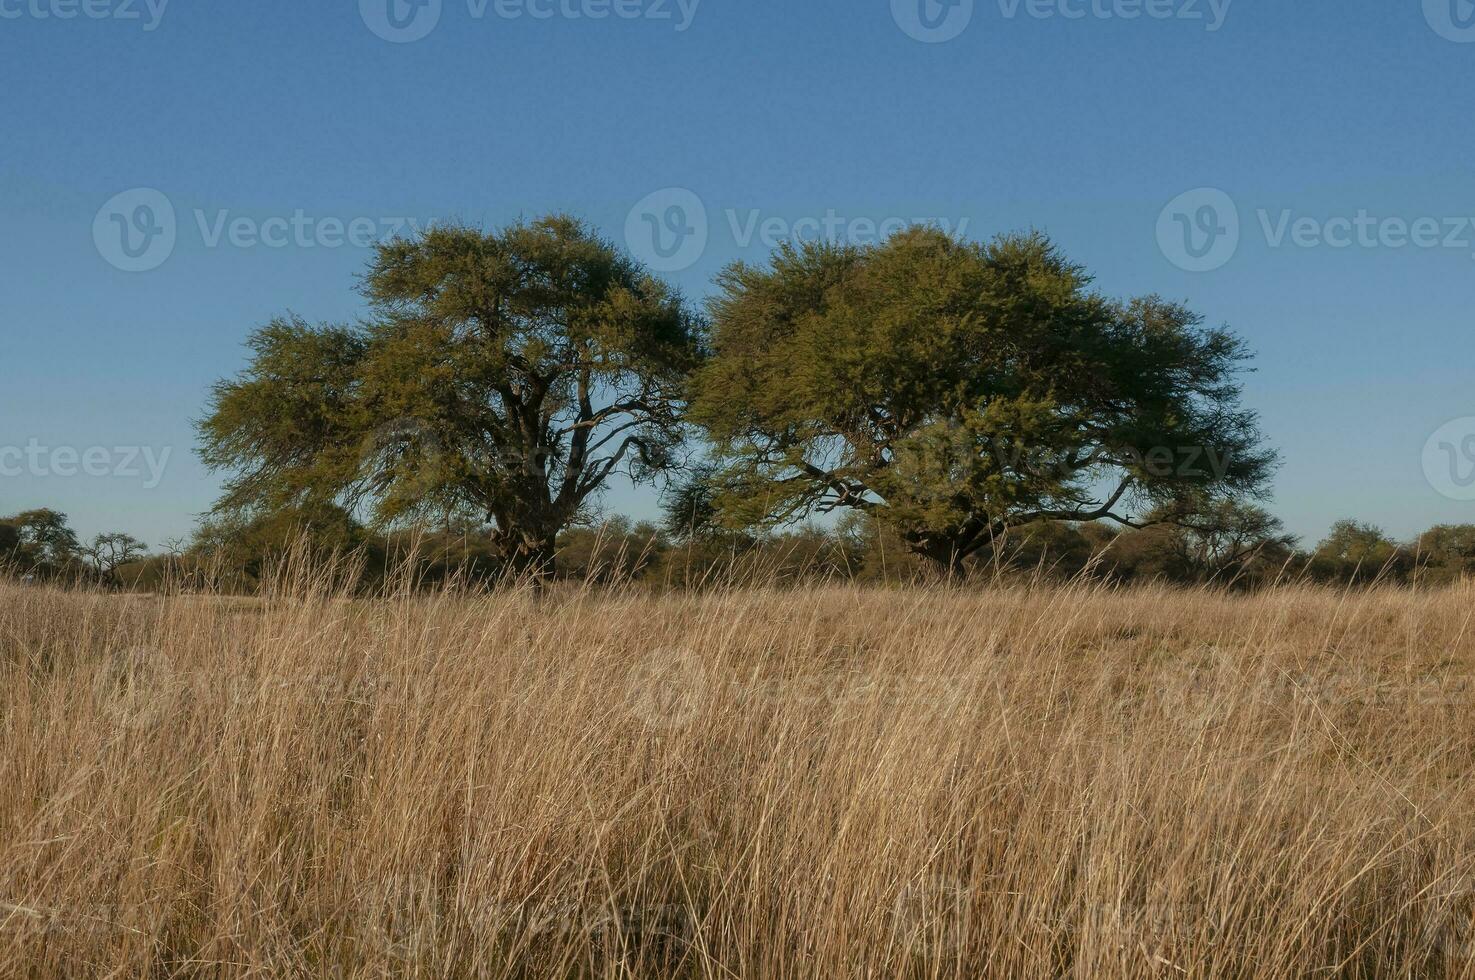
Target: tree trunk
533,555
942,556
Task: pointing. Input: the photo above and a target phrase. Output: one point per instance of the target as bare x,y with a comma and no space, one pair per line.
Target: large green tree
955,390
504,375
38,540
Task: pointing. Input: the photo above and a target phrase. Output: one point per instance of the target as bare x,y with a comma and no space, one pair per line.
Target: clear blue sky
1067,116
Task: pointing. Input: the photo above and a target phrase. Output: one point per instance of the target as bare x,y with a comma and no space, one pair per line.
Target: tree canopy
38,540
955,390
505,376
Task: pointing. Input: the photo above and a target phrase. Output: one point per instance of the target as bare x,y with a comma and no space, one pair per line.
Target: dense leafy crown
503,375
956,389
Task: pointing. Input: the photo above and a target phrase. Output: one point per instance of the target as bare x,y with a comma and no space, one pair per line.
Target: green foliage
287,423
38,542
501,378
613,551
956,390
1354,551
41,543
250,544
1055,548
1228,541
689,506
1447,552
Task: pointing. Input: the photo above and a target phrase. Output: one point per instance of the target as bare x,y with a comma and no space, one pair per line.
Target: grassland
1007,781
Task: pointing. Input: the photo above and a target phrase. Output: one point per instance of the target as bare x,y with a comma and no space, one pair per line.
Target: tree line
948,390
955,405
41,543
1248,550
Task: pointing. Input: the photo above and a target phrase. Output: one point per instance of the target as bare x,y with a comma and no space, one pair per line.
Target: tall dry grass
1062,781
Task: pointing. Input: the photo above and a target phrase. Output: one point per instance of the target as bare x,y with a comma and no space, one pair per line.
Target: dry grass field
995,782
